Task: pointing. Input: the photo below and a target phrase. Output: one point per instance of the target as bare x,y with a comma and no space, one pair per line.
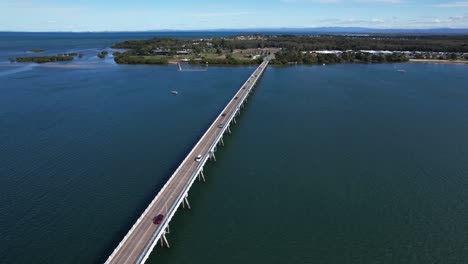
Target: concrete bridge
139,242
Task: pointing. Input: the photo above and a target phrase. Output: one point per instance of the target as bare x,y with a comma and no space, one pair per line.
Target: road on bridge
141,238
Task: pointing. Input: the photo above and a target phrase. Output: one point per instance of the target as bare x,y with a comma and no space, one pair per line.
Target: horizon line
238,29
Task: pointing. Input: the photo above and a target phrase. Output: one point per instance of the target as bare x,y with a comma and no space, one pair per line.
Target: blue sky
134,15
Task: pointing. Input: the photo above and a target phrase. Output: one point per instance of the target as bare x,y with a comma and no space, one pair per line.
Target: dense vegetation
126,59
289,49
449,43
287,57
44,59
37,50
378,42
229,60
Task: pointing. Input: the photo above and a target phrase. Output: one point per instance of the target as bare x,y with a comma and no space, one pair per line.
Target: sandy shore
441,61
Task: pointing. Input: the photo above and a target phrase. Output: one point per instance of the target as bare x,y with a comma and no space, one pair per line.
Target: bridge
139,242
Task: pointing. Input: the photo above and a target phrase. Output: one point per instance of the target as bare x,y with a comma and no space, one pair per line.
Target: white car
198,158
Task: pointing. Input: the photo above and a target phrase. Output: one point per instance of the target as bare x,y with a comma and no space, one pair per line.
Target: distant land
337,30
316,30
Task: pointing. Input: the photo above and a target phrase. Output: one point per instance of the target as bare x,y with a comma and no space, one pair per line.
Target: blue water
334,164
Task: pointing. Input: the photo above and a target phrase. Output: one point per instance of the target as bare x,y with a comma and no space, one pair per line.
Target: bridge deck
142,237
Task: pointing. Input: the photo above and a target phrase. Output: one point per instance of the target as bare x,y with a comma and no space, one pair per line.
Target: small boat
174,92
402,71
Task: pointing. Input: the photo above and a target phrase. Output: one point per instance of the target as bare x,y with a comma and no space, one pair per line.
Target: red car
158,219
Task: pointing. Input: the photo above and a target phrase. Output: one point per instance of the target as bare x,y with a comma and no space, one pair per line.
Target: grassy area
241,56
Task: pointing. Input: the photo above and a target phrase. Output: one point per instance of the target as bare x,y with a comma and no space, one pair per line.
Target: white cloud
359,22
453,4
451,20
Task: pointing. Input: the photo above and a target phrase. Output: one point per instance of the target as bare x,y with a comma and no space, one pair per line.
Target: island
46,59
293,49
37,50
102,54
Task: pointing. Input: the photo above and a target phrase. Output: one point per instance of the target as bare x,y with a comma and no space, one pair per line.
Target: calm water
335,164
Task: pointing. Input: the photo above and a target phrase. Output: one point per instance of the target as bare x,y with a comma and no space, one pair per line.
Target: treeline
123,59
43,59
151,43
452,43
229,60
442,43
288,57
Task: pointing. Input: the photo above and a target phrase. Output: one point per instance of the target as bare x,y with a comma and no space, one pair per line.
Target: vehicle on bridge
198,158
158,219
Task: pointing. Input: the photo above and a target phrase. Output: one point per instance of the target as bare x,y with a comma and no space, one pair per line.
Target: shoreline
439,61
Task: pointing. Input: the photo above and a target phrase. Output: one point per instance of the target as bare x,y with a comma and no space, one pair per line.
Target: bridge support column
234,119
202,176
222,142
213,156
186,201
164,240
229,130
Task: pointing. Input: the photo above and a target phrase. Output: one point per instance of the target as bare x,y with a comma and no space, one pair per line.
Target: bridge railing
157,235
240,102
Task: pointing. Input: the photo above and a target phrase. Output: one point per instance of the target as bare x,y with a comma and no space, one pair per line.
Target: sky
140,15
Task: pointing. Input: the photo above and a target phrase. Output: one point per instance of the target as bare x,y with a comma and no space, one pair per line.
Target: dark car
235,98
224,114
158,219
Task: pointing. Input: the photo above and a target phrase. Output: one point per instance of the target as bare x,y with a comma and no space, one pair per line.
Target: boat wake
28,67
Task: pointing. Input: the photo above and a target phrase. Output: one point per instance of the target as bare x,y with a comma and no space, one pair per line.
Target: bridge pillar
213,156
186,201
229,130
203,176
164,240
234,119
222,141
